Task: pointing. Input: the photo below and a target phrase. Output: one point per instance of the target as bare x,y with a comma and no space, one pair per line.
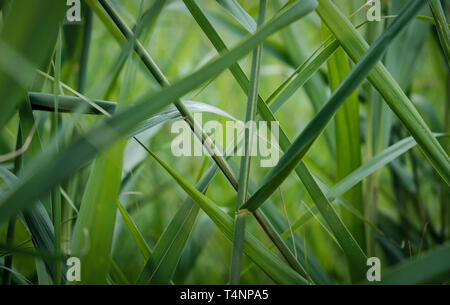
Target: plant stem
252,98
442,27
56,196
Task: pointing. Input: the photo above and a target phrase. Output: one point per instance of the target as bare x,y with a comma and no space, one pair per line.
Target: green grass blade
193,250
72,104
163,81
92,234
36,216
429,20
234,8
303,73
135,233
56,195
117,274
87,34
305,256
401,61
19,278
159,268
355,256
68,104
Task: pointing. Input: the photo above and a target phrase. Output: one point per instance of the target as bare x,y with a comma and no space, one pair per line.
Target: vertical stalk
445,192
164,82
442,27
444,37
252,98
56,196
10,242
372,140
87,30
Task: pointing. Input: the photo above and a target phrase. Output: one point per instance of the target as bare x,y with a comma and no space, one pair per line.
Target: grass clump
86,168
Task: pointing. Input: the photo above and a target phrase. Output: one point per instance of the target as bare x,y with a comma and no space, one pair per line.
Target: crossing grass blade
160,267
94,228
303,9
400,61
162,80
264,112
303,142
382,159
59,167
266,260
39,224
62,142
300,76
302,171
36,216
73,104
314,87
355,46
270,47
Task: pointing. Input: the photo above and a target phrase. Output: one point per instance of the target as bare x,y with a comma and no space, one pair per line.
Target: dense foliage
87,168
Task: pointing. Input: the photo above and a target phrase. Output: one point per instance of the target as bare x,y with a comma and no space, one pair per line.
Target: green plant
86,167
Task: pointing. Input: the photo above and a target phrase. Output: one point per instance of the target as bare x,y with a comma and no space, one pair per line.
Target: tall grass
87,171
